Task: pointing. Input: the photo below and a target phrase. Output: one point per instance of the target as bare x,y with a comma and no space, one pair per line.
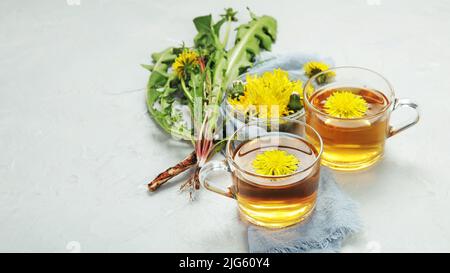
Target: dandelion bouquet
192,80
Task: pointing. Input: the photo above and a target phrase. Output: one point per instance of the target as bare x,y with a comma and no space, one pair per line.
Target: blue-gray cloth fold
335,218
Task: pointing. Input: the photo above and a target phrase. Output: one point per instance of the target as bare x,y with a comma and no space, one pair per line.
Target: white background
77,145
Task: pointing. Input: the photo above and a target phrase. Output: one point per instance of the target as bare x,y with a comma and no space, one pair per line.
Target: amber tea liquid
276,202
350,144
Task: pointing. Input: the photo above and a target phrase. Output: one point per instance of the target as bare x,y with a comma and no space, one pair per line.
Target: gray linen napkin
334,219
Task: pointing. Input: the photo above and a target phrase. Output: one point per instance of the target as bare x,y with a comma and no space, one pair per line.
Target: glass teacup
272,199
354,143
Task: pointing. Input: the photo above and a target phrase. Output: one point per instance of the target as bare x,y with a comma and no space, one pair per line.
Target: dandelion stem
227,33
186,92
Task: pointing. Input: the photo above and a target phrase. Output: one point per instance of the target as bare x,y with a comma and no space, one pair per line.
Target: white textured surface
77,146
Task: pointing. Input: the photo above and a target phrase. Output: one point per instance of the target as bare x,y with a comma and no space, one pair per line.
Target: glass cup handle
211,167
399,103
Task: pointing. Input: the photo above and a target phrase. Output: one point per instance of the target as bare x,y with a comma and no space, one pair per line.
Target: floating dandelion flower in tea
188,59
313,68
275,162
345,104
267,96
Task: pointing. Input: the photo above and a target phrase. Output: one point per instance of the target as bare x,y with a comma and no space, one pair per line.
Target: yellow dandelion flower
188,59
275,162
345,104
314,68
267,96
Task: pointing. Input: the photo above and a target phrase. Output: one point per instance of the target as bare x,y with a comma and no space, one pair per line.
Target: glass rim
229,157
230,110
380,113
